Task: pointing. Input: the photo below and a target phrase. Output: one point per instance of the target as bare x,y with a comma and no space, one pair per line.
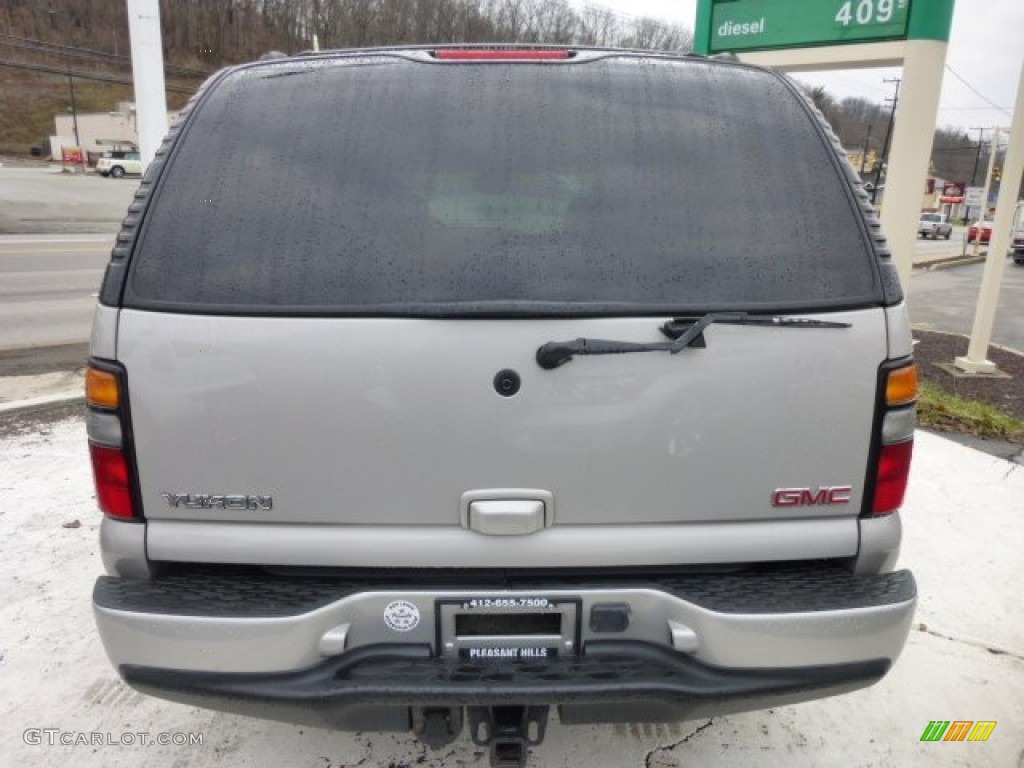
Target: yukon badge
812,497
217,501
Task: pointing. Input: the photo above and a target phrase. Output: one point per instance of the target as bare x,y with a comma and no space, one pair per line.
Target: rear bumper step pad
237,592
608,673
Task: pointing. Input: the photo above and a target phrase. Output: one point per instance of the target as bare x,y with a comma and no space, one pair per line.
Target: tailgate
382,421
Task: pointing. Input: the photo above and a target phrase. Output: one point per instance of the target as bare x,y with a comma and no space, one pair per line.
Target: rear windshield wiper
683,332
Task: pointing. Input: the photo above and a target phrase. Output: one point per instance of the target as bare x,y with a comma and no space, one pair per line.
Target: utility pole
74,116
74,106
977,156
864,152
888,135
984,194
977,159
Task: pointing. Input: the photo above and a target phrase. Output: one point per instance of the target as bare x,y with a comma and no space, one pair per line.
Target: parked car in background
1017,240
986,232
934,225
118,163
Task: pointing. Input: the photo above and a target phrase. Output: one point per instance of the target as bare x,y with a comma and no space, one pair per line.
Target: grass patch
940,410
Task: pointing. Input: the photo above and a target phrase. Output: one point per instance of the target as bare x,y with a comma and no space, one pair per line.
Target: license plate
508,627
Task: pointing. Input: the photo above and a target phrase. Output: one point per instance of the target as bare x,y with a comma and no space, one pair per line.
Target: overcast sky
986,48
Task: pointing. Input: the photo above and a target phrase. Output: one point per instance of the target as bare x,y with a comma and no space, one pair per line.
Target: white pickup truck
934,225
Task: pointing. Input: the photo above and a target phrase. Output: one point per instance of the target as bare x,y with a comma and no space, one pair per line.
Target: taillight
101,388
891,479
901,386
113,481
112,466
470,54
896,439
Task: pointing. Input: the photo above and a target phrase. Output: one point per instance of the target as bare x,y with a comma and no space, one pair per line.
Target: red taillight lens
112,476
507,55
891,481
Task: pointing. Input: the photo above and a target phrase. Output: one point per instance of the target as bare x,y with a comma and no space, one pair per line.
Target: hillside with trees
40,42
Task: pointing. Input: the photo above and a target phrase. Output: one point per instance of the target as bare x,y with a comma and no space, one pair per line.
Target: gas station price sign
744,25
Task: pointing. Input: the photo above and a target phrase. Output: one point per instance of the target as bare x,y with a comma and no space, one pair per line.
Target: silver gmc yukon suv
431,389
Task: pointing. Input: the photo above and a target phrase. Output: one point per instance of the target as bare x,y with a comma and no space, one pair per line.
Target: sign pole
911,152
148,76
814,35
995,262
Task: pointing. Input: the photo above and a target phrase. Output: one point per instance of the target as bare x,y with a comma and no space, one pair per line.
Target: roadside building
99,131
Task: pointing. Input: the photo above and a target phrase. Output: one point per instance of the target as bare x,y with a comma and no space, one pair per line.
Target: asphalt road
42,200
48,287
955,242
945,299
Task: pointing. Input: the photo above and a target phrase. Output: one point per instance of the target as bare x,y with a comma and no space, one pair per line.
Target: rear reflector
104,428
101,388
891,481
509,55
901,386
898,425
112,476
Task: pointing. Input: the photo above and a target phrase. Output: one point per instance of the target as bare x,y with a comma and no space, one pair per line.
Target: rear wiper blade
683,333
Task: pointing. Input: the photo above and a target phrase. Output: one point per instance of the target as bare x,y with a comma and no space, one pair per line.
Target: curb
953,261
1001,347
41,402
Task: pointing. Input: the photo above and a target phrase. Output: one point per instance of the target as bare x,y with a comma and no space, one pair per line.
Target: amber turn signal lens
101,389
901,386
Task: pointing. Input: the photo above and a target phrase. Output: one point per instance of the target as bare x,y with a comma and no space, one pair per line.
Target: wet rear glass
385,185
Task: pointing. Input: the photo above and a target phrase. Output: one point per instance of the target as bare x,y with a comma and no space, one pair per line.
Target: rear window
931,217
382,185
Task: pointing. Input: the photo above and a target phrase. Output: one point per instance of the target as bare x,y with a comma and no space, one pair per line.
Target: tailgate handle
507,512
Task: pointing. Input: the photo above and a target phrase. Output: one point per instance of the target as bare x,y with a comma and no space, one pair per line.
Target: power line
98,76
42,46
966,109
978,93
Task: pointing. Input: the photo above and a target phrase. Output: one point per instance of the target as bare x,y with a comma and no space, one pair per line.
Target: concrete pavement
946,301
48,287
41,199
